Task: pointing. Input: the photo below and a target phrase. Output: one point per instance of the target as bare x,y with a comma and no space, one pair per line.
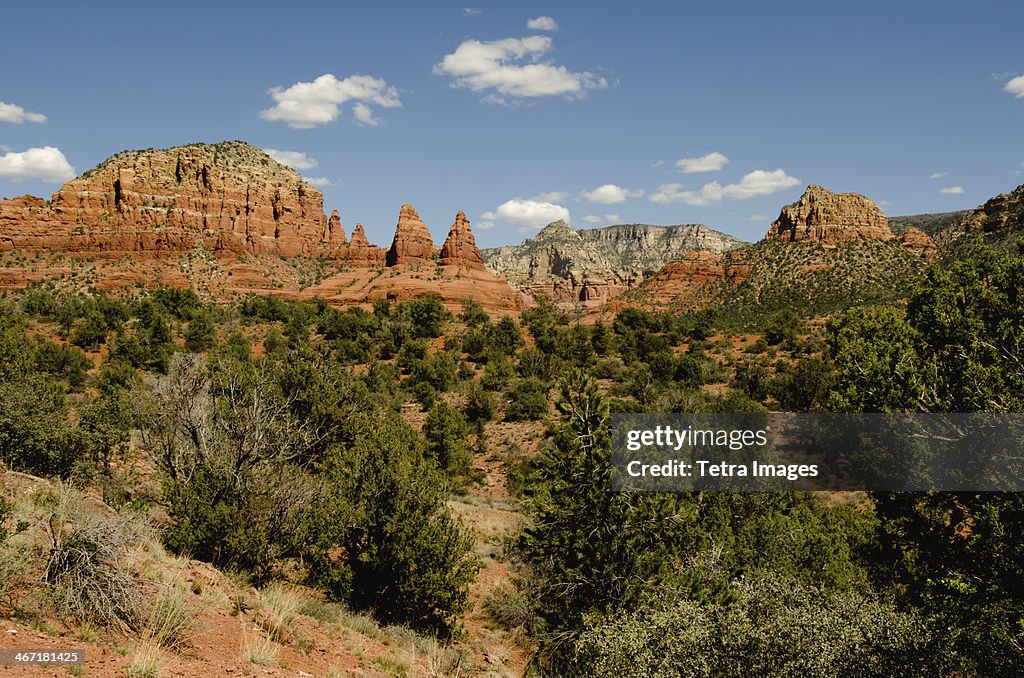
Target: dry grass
279,606
147,661
257,647
172,621
88,568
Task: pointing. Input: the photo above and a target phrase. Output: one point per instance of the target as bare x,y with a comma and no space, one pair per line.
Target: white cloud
513,68
937,175
525,214
1015,87
610,194
592,219
542,23
318,181
756,183
307,104
758,217
611,217
17,114
712,162
470,11
42,164
952,190
657,163
551,196
364,115
294,159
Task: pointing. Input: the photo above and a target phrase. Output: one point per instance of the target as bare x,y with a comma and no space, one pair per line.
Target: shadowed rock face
460,247
593,265
412,239
829,218
228,197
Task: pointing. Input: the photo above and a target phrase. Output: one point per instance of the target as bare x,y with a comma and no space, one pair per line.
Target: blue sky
516,112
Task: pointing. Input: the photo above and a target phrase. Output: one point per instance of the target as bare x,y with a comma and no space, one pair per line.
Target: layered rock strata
829,218
228,197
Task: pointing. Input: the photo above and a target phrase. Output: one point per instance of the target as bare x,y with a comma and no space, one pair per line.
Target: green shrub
445,431
774,627
527,401
479,403
406,559
35,435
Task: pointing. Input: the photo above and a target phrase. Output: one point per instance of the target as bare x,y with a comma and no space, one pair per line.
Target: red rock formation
335,233
412,239
453,284
829,218
460,247
229,197
915,238
691,282
360,252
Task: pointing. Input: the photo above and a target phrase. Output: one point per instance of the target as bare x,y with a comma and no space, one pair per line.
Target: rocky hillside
999,222
594,265
932,224
825,251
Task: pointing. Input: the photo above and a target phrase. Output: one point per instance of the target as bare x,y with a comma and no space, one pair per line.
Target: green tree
445,431
878,369
35,435
408,561
782,327
773,626
805,386
201,334
473,314
958,556
527,401
505,337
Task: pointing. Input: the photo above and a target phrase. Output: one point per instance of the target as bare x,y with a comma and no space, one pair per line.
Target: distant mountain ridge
592,265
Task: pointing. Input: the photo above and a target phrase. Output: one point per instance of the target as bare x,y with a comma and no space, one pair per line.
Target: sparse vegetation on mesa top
234,155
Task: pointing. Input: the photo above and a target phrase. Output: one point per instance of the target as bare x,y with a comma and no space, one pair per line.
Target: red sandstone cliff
229,197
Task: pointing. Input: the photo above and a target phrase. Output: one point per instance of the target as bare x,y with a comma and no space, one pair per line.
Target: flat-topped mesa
335,233
228,196
360,252
829,218
412,240
460,246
